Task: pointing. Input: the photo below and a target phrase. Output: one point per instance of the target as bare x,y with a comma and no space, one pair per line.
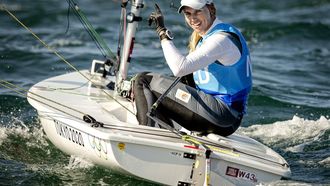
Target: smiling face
199,20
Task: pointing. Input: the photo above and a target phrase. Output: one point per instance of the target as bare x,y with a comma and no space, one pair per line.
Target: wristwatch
165,34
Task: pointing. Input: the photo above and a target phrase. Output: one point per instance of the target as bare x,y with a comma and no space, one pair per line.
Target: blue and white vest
227,83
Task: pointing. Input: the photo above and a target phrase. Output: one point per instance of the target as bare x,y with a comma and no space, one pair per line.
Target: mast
133,18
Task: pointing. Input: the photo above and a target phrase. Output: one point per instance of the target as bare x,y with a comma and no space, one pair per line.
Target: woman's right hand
157,19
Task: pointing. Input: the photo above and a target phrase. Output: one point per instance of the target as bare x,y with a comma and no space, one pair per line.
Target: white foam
65,42
293,134
77,162
34,135
102,183
11,7
325,162
288,183
3,135
62,169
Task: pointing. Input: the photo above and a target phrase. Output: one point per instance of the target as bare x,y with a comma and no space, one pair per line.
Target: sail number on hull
69,133
242,174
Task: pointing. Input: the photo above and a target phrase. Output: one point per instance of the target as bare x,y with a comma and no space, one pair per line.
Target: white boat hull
153,154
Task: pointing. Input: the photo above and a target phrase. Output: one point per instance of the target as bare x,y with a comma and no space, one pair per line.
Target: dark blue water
289,108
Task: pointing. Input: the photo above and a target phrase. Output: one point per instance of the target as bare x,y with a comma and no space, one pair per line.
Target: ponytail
194,39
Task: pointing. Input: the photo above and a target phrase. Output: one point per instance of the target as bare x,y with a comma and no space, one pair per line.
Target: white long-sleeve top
216,47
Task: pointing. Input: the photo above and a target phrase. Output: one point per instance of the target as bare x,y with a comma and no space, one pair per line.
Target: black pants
190,108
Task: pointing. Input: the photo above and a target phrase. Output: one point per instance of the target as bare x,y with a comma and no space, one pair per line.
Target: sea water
288,110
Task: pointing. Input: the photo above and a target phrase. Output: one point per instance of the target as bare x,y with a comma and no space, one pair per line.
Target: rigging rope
122,30
3,7
41,41
100,43
23,92
68,19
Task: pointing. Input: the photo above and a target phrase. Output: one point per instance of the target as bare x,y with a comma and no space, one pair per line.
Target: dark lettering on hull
69,133
242,174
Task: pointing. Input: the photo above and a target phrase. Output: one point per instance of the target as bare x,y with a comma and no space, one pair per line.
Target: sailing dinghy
88,114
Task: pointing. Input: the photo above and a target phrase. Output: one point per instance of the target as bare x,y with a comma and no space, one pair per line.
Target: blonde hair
195,37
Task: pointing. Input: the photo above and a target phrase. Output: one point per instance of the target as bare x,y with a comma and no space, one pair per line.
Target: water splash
304,143
77,162
325,162
293,135
16,127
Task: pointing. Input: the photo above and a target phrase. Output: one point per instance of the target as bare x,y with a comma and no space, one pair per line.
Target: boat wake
303,143
292,135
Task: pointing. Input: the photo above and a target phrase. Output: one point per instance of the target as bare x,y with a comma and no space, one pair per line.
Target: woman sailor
217,74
